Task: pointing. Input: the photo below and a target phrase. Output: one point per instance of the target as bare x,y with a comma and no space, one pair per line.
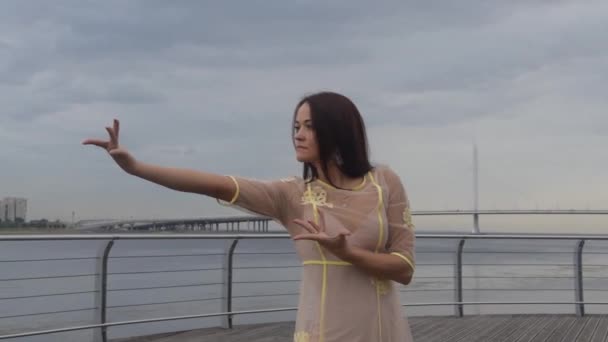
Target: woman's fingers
319,227
107,144
116,129
314,237
113,138
306,225
96,142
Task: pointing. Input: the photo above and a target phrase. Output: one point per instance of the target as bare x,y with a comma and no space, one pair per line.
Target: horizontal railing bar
48,295
508,303
517,277
498,277
163,303
592,289
47,313
274,253
265,267
163,287
265,253
254,236
491,289
269,295
491,264
483,236
430,290
435,252
50,277
168,271
510,212
513,252
519,265
163,256
50,259
594,265
266,281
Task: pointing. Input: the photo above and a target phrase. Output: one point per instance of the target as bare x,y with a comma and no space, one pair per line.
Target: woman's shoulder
291,182
384,171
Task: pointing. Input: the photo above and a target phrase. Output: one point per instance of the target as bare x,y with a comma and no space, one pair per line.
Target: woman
350,221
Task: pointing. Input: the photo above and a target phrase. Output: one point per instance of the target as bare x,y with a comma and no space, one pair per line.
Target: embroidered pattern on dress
316,196
381,285
407,218
301,336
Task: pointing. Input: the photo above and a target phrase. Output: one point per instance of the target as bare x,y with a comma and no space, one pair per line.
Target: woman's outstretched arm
209,184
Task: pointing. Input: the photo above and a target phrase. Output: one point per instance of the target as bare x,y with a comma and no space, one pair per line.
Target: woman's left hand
316,232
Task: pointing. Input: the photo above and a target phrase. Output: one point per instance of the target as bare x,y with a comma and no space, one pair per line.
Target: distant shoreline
30,230
58,231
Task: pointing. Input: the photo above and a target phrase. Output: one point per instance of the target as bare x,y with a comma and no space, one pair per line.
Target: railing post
101,287
227,295
458,308
578,279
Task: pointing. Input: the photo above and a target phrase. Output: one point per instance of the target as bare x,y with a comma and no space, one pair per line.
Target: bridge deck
498,328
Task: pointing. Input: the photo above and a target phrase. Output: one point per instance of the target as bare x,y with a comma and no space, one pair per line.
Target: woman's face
305,140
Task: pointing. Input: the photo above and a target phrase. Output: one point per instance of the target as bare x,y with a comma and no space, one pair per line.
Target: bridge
206,224
260,223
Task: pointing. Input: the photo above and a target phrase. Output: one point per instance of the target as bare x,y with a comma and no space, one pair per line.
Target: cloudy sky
212,86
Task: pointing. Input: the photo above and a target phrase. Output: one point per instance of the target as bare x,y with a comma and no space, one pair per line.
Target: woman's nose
299,136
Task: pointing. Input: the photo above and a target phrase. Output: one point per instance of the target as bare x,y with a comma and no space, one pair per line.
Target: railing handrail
224,236
513,212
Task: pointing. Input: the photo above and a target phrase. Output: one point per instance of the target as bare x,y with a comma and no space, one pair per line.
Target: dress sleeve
401,230
266,198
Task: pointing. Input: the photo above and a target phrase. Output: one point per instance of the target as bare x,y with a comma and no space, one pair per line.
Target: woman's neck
338,178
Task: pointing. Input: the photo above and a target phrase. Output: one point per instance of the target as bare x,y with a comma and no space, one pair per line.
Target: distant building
13,208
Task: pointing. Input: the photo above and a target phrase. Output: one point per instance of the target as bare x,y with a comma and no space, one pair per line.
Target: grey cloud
270,30
212,85
113,92
57,94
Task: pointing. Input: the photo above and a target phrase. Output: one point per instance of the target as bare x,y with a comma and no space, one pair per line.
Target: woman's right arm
209,184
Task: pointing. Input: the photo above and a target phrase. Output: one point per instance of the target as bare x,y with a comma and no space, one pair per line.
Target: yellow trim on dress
406,259
379,287
379,208
358,187
237,192
316,199
382,285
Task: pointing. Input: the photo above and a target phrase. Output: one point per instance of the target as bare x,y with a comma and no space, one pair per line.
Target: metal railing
101,276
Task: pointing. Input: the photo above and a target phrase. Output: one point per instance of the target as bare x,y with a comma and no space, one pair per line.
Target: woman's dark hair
340,133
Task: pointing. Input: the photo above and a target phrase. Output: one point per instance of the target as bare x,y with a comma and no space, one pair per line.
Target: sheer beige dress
339,302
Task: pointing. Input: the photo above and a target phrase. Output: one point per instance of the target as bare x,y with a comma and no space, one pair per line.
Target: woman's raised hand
120,155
